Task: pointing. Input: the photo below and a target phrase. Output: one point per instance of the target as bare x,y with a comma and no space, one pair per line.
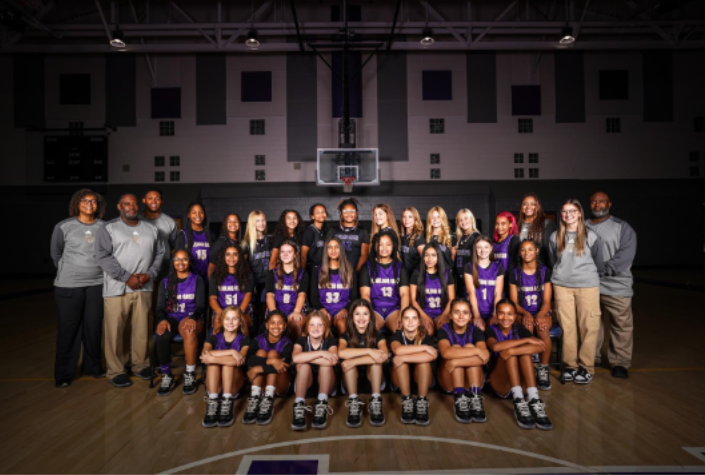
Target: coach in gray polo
616,284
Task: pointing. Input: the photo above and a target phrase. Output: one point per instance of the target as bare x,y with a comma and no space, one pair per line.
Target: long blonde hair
417,230
443,238
249,239
473,223
390,221
580,234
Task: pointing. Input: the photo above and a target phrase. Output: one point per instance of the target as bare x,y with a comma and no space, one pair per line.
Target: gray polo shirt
72,249
167,235
619,250
123,250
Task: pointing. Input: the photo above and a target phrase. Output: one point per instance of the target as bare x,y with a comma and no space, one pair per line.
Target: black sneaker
226,416
462,408
266,410
569,375
582,376
62,383
620,372
211,417
543,378
523,414
421,414
121,381
145,373
477,409
250,416
538,413
407,410
354,412
299,421
190,383
376,413
167,385
321,411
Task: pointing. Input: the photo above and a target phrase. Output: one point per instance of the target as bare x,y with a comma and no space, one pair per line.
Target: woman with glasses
78,288
576,257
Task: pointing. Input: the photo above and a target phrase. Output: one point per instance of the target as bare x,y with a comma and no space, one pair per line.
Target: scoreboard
76,158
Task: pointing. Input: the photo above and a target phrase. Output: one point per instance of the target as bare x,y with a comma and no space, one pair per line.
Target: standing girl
230,233
534,225
314,237
355,240
383,220
463,352
438,229
506,241
432,289
413,239
511,367
286,287
315,356
362,345
180,308
255,246
231,285
78,288
577,260
484,281
225,353
333,285
290,227
465,234
413,354
385,283
531,291
268,360
196,239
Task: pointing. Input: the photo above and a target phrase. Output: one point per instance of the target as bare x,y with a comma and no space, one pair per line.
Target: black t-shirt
352,239
399,337
490,332
313,296
464,252
271,285
314,240
363,277
415,277
214,341
213,286
447,252
219,246
477,335
410,256
361,339
326,344
279,239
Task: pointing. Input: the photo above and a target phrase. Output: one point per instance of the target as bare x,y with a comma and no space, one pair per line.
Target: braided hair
538,225
224,229
189,229
519,269
279,269
375,252
172,289
440,271
243,272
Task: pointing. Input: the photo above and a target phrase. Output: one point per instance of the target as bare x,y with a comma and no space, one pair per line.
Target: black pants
162,343
80,321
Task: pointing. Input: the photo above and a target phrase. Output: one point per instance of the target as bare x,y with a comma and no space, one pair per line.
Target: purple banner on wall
355,60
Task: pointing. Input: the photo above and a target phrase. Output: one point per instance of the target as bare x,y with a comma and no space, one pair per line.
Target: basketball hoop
348,182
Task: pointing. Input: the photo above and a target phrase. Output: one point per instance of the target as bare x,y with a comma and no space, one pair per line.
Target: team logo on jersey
88,237
136,237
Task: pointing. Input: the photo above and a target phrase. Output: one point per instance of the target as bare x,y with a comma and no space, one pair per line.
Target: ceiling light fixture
252,41
118,40
567,37
427,37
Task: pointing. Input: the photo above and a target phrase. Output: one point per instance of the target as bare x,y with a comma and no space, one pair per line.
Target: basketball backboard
343,166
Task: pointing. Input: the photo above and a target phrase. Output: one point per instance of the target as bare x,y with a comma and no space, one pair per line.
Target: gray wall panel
392,107
28,94
658,86
301,107
570,87
120,90
211,96
481,86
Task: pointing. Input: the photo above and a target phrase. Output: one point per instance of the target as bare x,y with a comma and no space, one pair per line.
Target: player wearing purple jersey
511,367
382,220
180,309
231,284
432,288
385,283
289,227
506,242
484,281
225,354
286,287
531,290
230,234
463,352
195,237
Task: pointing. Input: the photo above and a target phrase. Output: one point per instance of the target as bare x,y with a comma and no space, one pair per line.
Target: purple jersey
185,297
532,295
236,344
200,253
335,297
485,292
432,298
265,345
384,289
501,251
460,340
230,293
287,295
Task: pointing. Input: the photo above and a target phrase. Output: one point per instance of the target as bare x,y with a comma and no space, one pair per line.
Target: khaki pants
578,313
618,317
120,313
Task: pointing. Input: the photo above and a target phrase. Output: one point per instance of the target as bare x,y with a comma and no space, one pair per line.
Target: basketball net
348,182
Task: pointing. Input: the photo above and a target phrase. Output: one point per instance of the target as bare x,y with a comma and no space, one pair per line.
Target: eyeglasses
89,202
569,212
181,259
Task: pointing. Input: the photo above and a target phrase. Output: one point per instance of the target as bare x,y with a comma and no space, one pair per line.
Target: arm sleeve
624,256
489,333
212,340
313,296
200,299
172,236
547,231
309,238
270,282
512,279
159,251
56,248
212,286
304,283
277,242
414,277
105,258
403,277
442,334
354,289
286,353
451,279
161,302
467,269
250,284
512,252
215,251
552,249
180,242
597,255
478,335
363,278
397,337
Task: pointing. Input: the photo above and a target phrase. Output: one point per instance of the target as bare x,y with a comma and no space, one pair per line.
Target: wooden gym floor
654,422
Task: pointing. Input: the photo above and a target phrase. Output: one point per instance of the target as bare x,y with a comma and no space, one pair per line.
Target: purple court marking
286,467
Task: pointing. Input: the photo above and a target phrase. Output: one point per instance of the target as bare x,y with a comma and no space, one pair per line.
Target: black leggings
80,322
162,343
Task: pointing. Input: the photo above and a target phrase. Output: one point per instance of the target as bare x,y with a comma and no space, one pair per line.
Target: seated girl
432,289
287,285
231,283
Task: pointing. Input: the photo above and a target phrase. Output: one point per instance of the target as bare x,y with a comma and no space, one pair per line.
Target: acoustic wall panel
658,86
392,107
354,63
211,97
301,104
570,87
120,90
481,81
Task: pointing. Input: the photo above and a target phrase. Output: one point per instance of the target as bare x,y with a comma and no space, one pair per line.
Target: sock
517,392
322,397
299,399
269,391
458,391
190,368
227,396
353,396
166,368
213,396
256,391
533,393
543,365
376,395
474,390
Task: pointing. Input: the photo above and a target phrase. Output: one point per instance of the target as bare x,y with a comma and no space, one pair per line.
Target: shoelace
265,405
166,381
407,405
476,402
542,373
538,408
225,406
212,408
322,409
189,379
252,403
300,411
376,406
523,408
463,403
421,406
355,406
